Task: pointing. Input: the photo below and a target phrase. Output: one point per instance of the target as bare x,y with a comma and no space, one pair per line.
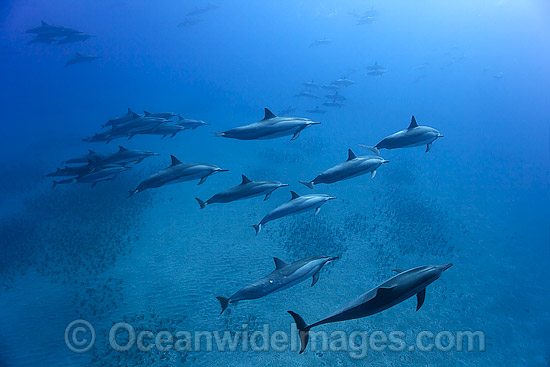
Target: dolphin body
75,37
101,174
162,115
163,129
79,59
270,127
284,276
354,166
343,82
247,189
317,110
297,204
393,291
336,97
123,156
189,123
413,136
178,172
85,158
129,116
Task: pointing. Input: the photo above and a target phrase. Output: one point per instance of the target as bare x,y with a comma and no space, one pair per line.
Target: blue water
476,71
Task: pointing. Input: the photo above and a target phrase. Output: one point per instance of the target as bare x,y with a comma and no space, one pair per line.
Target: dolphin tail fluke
132,192
258,228
224,302
307,183
54,184
372,149
201,203
303,330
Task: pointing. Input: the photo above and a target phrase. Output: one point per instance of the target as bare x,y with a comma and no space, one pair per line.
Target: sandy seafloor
158,262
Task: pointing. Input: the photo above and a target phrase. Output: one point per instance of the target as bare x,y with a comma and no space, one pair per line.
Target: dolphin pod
413,136
395,290
284,276
297,204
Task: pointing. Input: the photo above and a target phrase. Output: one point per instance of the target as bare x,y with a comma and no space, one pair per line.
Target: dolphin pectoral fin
202,180
224,302
257,227
428,147
384,292
303,330
267,196
139,160
420,296
373,174
317,211
202,204
315,278
297,134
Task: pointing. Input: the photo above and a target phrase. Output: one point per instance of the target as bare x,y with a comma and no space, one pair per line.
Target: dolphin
330,87
375,66
189,123
123,156
333,104
324,41
270,127
247,189
50,30
343,82
287,111
336,97
85,158
129,116
162,115
75,37
100,174
142,124
353,167
205,9
178,172
376,72
79,58
413,136
189,22
163,129
311,84
70,171
393,291
307,94
297,204
284,276
316,110
39,38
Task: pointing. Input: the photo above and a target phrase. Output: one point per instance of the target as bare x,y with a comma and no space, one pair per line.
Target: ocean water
476,71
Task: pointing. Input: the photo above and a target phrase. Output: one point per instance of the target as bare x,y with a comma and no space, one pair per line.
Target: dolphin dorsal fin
245,180
279,264
180,118
175,161
268,114
91,152
147,113
294,195
44,23
130,112
351,155
413,123
121,148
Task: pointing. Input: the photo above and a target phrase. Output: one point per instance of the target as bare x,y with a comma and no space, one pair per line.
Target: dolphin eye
270,281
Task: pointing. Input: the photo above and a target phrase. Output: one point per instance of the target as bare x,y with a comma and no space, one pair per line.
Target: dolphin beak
223,170
385,161
333,258
332,197
445,267
441,136
283,185
315,123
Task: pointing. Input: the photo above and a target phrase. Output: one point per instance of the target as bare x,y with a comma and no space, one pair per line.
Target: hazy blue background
491,172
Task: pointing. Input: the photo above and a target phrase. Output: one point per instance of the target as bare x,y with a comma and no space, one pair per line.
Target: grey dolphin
333,104
307,94
311,84
247,189
123,156
70,171
50,30
393,291
85,158
75,37
343,82
100,174
413,136
190,123
162,115
163,129
336,96
270,127
376,72
353,167
375,66
317,110
284,276
319,42
297,204
129,116
79,59
178,172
